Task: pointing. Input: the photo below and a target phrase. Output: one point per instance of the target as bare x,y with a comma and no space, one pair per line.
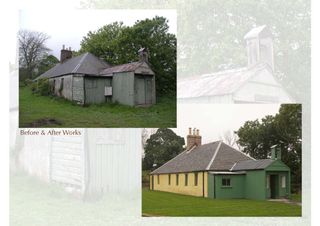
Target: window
226,182
268,181
186,179
177,179
283,181
195,179
158,179
169,179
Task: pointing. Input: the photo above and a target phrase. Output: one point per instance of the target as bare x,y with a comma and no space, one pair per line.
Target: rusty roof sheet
126,68
221,83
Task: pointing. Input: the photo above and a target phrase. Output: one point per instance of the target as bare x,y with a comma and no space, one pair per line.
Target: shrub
41,87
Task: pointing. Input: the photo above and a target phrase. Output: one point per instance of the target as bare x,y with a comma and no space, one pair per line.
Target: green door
274,186
140,90
148,90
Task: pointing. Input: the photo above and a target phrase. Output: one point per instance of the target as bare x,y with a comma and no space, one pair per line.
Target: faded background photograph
227,52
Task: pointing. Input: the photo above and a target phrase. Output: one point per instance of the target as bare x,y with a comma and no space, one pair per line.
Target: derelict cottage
87,79
216,170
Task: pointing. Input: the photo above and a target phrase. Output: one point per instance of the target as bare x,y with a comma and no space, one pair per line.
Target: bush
41,87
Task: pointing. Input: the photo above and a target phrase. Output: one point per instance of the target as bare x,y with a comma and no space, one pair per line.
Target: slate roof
216,156
220,83
121,68
252,164
85,63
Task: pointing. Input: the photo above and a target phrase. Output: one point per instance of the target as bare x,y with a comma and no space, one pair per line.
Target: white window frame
268,181
283,181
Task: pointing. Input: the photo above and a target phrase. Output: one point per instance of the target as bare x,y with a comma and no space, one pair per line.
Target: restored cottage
255,83
87,79
216,170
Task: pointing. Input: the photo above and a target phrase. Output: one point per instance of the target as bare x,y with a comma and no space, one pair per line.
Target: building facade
86,79
216,170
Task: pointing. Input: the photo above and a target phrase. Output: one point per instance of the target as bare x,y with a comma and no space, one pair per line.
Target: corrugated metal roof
221,83
85,63
121,68
252,164
200,157
127,67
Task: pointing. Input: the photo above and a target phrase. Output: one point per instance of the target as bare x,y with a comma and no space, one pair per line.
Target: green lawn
156,203
44,111
33,202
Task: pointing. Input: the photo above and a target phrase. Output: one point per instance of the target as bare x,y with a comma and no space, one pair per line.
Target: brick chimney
65,54
193,138
143,55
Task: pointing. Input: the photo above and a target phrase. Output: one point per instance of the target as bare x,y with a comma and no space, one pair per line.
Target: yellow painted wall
181,188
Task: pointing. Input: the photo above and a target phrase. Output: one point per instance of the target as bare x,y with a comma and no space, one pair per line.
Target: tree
161,147
283,129
46,63
230,138
32,50
118,44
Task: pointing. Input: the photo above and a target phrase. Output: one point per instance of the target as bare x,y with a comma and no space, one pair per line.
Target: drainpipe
203,184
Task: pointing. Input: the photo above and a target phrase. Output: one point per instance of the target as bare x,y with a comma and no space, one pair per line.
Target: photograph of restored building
87,79
219,171
255,83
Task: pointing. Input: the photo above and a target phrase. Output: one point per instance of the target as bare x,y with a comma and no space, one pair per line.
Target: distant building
216,170
255,83
86,79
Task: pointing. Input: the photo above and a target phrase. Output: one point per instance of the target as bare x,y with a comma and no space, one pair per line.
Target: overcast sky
70,26
215,119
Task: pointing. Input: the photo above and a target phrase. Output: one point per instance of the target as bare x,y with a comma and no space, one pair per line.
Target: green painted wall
94,89
123,88
235,190
255,185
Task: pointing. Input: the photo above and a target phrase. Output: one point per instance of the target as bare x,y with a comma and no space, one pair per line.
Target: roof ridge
239,152
214,155
80,62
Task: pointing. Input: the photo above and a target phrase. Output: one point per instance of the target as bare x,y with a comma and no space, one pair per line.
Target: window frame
283,181
158,179
196,179
169,179
177,179
226,179
185,179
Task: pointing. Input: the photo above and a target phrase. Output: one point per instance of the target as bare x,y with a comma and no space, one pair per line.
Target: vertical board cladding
144,89
78,89
94,89
235,190
191,188
113,160
34,157
67,161
123,88
255,185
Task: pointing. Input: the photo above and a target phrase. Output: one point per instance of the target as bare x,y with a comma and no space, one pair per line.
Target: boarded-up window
169,179
226,182
195,179
186,179
177,179
283,181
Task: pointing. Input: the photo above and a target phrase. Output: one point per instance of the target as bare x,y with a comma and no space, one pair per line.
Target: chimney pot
193,139
143,55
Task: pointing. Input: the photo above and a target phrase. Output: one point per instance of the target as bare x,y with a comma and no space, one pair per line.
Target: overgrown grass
296,197
35,108
33,202
168,204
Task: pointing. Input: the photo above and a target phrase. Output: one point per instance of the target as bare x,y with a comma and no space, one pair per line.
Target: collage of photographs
146,115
